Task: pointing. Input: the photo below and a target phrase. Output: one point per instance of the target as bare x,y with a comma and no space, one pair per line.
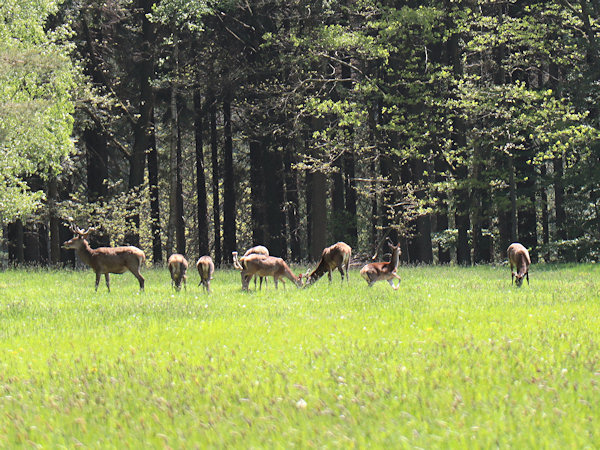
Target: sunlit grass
456,357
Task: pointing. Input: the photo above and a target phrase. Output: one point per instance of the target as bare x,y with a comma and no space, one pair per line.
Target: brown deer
206,269
338,255
383,271
518,257
178,266
106,260
264,266
258,250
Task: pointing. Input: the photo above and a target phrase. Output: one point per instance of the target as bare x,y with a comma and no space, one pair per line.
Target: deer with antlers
178,266
264,266
106,260
518,256
336,256
383,271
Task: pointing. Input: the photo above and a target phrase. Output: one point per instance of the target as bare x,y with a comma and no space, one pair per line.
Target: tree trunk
229,216
338,213
54,221
544,207
200,177
157,256
173,164
308,192
292,202
142,127
319,215
274,202
180,217
16,245
559,200
257,192
215,179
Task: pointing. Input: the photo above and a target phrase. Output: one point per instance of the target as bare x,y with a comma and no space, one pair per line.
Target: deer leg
392,284
527,275
329,275
341,269
254,282
140,279
107,278
97,280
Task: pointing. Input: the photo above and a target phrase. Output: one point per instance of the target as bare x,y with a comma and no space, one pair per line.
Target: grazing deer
338,255
258,250
264,266
383,271
206,269
106,260
178,266
518,257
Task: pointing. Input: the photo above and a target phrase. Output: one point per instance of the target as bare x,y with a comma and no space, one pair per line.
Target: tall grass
455,358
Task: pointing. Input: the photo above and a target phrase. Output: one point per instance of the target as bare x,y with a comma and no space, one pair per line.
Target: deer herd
258,263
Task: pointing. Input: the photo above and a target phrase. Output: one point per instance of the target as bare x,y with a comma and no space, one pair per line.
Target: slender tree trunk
155,227
319,215
275,201
180,217
559,199
308,192
461,193
257,192
292,202
338,213
16,244
513,199
229,216
545,215
173,163
200,177
54,221
141,131
215,179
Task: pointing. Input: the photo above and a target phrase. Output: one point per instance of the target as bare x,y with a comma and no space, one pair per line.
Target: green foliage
455,358
36,78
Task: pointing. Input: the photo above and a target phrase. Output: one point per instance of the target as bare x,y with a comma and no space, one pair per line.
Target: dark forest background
455,127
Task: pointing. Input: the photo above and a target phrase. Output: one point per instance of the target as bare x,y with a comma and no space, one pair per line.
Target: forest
454,127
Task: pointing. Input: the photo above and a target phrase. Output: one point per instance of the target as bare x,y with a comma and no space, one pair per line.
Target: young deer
264,266
258,250
383,271
206,269
338,255
106,260
178,266
518,257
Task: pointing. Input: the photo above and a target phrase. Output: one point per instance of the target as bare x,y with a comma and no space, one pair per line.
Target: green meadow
457,357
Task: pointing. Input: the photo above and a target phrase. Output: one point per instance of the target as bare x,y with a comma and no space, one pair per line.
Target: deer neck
395,260
85,253
319,271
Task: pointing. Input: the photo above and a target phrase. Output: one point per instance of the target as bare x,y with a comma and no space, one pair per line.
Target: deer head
78,240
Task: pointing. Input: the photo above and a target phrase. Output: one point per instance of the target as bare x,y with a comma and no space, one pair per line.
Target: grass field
455,358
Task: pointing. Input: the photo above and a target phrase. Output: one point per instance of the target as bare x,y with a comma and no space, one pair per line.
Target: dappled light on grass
455,357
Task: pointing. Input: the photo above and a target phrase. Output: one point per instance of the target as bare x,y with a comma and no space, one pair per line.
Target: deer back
206,267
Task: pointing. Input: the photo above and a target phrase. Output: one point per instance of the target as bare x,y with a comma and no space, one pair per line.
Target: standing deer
206,269
383,271
106,260
338,255
264,266
258,250
178,266
518,257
